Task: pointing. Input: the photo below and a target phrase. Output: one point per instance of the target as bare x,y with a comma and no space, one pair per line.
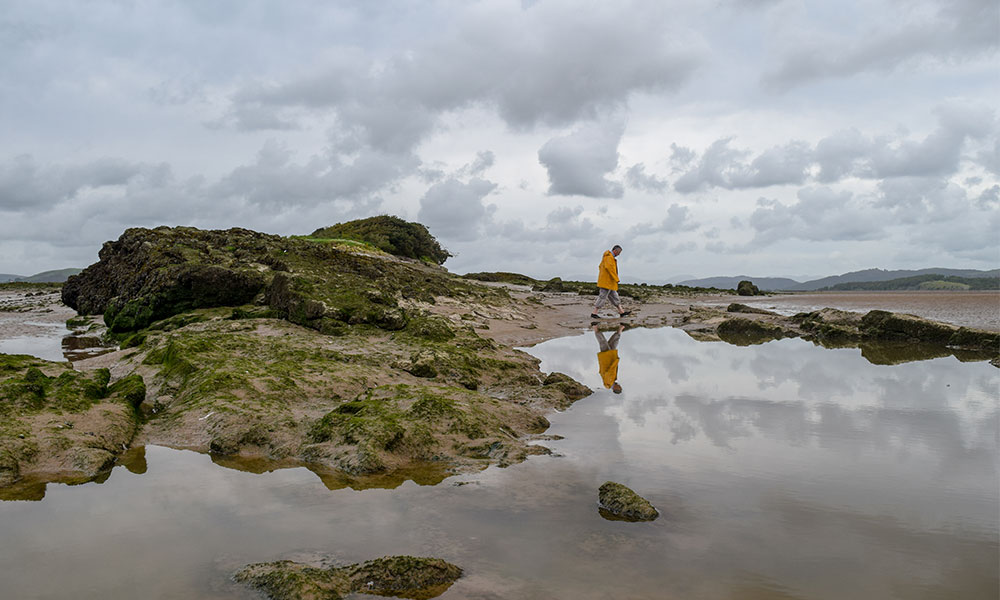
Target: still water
781,471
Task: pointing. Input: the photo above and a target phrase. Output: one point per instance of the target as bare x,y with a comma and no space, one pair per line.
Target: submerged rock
412,577
619,502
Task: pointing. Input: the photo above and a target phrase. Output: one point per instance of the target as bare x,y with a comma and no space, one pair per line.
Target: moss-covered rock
148,275
746,332
747,288
413,577
736,307
389,234
57,424
885,325
287,580
619,502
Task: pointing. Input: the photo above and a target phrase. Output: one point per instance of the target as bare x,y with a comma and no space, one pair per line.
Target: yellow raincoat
607,362
607,275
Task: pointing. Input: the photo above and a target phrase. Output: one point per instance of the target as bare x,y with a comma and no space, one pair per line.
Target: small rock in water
619,502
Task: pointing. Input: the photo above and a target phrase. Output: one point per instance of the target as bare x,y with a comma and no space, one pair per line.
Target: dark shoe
626,313
594,316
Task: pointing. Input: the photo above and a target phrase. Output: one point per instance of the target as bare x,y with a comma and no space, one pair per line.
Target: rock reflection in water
781,470
334,479
79,347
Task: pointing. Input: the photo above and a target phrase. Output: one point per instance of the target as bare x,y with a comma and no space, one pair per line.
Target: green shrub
390,234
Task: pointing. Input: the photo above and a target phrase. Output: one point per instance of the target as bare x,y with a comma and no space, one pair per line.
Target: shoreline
173,413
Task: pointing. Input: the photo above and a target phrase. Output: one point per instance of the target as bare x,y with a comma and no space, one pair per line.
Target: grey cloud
274,181
938,32
990,198
563,224
922,199
840,154
578,163
25,185
636,178
484,160
821,214
678,219
453,210
725,167
989,158
681,157
847,153
571,65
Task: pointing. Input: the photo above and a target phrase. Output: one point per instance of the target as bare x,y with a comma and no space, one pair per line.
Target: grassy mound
389,234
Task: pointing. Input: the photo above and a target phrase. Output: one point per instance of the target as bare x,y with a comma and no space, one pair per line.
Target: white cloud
913,35
549,129
453,210
578,163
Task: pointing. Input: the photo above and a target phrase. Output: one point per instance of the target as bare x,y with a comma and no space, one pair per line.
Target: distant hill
924,282
868,275
56,276
730,283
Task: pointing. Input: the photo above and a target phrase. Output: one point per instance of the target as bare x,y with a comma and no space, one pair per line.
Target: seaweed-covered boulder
736,307
148,275
58,424
618,502
885,325
552,285
747,332
152,274
747,288
830,325
398,576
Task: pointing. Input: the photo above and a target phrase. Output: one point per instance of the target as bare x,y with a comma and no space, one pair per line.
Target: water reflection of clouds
938,416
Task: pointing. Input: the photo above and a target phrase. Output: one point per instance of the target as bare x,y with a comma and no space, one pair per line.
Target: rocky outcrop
57,424
398,576
736,307
746,332
618,502
747,288
832,326
151,274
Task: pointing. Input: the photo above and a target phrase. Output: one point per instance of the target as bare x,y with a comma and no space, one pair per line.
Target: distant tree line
922,282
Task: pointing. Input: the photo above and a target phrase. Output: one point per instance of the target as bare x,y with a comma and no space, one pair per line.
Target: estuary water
782,470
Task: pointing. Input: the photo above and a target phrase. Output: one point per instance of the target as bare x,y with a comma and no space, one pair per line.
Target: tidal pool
782,470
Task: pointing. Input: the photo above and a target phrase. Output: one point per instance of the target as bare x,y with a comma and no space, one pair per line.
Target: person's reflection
607,358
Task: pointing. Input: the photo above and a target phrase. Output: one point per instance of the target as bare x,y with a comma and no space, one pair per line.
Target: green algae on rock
57,424
368,402
746,332
389,234
618,502
412,577
151,274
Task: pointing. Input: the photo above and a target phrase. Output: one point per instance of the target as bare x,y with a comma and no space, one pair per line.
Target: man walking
607,283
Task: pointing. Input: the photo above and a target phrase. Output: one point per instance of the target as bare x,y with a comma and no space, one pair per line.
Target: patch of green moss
413,577
132,389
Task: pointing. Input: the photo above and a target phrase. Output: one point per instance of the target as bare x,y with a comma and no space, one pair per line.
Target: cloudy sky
793,138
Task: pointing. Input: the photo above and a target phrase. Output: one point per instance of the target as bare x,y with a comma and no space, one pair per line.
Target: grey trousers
606,345
606,295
